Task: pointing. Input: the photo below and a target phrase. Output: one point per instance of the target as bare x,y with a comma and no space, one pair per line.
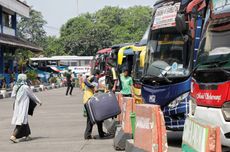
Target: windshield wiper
153,75
161,72
216,63
213,64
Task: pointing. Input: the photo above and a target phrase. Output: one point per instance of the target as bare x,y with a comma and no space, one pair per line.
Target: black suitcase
102,106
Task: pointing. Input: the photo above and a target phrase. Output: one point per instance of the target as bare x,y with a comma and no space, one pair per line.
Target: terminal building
10,10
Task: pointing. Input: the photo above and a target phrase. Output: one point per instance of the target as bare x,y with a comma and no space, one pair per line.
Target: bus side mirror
180,23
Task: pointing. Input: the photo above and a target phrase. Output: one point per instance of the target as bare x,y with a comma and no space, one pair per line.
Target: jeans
69,88
89,127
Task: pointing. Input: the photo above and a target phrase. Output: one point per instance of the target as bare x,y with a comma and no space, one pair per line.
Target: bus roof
59,58
121,45
103,51
73,57
43,59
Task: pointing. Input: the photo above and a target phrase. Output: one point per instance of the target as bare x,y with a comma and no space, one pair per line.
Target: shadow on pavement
31,139
37,138
175,138
225,149
97,137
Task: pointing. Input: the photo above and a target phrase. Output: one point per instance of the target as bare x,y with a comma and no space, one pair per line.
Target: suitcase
102,106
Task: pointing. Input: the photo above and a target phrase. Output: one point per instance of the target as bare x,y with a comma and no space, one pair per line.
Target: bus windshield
167,55
215,51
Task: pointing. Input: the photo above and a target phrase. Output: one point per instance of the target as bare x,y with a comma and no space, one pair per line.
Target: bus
173,40
210,91
101,59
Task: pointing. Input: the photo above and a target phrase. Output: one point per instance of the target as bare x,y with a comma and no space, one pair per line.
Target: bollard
150,132
42,87
120,100
127,109
124,132
3,92
53,85
133,122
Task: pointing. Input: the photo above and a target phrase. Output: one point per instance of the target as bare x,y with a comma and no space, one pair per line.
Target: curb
34,89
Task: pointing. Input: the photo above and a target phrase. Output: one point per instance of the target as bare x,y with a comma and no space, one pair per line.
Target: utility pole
77,8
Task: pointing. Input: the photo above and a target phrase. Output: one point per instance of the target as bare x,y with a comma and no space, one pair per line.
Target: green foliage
81,36
31,75
32,29
22,57
88,33
53,80
53,46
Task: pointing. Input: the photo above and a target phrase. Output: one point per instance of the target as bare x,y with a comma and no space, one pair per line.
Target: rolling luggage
102,106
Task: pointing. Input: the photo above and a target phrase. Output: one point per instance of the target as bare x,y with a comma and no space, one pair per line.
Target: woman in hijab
23,96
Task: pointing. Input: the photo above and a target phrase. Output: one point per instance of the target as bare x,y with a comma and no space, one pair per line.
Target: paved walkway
57,126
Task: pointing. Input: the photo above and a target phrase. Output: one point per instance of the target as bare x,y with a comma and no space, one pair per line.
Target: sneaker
105,135
88,138
13,139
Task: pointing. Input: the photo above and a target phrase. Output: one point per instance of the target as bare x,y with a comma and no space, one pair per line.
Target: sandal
13,139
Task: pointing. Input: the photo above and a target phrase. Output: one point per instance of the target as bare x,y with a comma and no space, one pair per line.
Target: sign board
80,69
220,3
165,16
221,6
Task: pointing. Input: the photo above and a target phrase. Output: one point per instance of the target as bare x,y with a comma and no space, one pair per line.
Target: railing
8,31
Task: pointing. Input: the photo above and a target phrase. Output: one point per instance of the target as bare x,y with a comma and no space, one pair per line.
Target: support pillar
1,61
1,19
14,23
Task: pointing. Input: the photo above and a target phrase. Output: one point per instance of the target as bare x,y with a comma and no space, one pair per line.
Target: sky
57,12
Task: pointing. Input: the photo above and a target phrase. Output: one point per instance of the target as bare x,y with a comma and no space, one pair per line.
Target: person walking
69,83
22,107
126,83
111,76
91,84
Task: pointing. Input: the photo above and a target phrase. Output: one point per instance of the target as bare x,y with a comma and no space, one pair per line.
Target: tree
32,29
111,16
82,36
88,33
53,47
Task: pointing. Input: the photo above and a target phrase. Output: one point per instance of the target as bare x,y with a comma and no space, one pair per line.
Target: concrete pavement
58,126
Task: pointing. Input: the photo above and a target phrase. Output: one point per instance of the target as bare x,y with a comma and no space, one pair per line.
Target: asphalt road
58,126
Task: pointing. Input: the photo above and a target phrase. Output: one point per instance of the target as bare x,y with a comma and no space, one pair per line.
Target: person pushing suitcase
91,84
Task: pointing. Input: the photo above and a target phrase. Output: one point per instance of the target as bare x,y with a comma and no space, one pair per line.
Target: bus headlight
226,111
178,100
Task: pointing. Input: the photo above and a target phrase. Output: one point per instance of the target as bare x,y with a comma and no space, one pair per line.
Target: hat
22,77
